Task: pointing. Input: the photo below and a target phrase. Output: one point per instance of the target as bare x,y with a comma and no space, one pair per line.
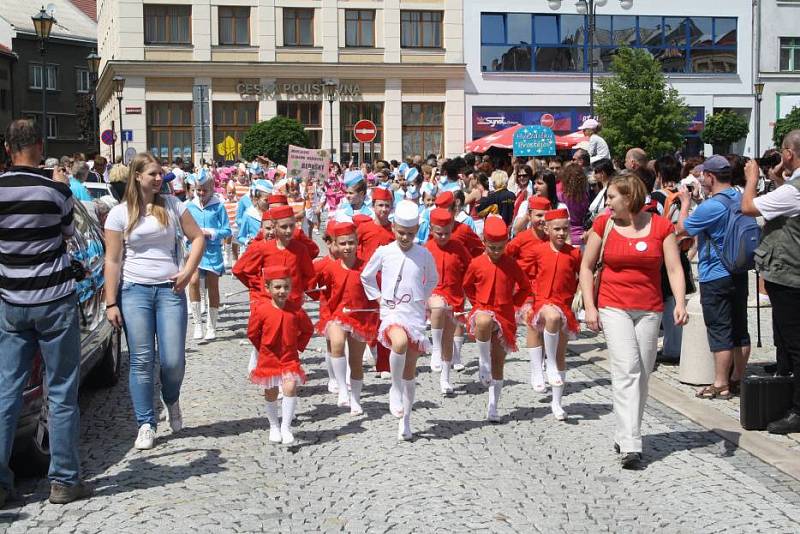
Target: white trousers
632,339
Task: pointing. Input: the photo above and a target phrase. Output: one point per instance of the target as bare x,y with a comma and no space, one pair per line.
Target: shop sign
295,90
133,110
307,162
534,141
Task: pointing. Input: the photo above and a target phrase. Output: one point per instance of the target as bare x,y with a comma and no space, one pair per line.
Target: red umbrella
501,139
566,142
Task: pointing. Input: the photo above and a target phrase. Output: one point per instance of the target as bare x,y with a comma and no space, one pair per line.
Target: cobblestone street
460,473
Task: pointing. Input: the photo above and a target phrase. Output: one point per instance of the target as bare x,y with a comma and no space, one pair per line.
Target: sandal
714,392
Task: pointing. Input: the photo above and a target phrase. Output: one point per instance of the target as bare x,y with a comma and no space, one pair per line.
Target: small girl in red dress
495,285
323,295
280,329
357,329
556,265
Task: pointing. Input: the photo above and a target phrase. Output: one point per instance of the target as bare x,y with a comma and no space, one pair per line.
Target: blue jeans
153,312
53,329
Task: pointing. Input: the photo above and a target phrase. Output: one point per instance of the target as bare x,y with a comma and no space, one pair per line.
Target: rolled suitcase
764,399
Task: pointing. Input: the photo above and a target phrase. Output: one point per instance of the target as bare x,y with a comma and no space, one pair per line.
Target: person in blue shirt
250,223
211,217
79,173
356,194
723,295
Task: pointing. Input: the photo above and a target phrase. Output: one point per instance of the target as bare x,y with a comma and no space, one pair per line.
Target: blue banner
534,141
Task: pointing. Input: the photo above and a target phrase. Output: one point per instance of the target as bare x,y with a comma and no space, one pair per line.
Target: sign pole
113,147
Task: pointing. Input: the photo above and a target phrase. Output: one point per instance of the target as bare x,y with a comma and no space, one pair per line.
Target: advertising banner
534,141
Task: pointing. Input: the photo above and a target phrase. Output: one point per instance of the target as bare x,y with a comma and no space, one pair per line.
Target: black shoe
788,425
631,460
616,448
61,494
771,368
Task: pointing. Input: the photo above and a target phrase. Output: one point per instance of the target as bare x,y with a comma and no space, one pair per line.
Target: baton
233,293
373,310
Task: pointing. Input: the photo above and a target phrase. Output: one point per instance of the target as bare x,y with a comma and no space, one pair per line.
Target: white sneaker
447,389
174,415
403,432
386,375
492,417
395,402
458,366
558,412
333,386
146,437
287,438
436,363
275,434
198,331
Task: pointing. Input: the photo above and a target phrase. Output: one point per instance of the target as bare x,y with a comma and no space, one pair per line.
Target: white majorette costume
407,282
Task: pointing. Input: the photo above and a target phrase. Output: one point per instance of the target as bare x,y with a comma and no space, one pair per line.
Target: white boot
458,342
355,397
484,362
211,324
436,349
537,372
404,431
203,295
287,407
368,359
274,426
550,350
339,371
444,379
555,404
397,363
197,317
332,386
495,389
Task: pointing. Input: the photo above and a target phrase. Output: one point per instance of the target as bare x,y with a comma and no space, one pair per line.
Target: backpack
742,235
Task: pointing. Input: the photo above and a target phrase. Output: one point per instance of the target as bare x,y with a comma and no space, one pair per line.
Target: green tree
785,125
272,139
638,109
724,128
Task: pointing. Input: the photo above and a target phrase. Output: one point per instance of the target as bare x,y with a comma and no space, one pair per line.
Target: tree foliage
272,139
638,109
724,128
785,125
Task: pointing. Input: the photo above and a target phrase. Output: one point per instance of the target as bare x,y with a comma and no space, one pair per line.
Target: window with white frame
52,127
82,82
790,54
35,77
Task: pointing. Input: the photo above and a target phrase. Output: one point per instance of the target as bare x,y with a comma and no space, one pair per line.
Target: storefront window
169,130
423,129
308,114
232,120
351,149
524,42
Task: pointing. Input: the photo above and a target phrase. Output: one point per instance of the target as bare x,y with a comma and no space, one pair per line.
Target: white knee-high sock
397,363
484,361
272,415
287,408
558,391
355,396
444,379
436,347
458,342
409,388
495,389
329,367
340,373
537,370
550,350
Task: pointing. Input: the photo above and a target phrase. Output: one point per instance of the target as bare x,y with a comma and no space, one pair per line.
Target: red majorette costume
451,262
323,294
521,247
294,257
299,235
461,232
249,263
344,290
279,334
496,288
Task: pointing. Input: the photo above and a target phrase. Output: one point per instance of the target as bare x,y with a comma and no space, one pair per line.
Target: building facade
65,74
397,63
527,63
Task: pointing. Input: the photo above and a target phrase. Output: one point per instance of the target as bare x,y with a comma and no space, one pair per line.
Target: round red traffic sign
547,120
108,137
365,131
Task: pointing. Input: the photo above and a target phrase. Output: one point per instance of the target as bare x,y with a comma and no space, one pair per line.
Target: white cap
282,169
589,124
406,214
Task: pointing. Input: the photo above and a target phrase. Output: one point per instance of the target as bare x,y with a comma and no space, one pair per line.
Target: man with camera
778,260
38,309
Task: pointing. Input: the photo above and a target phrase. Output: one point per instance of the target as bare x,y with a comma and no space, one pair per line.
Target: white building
398,63
525,60
778,61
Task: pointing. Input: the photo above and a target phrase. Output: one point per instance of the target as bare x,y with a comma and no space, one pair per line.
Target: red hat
329,228
556,214
360,219
380,193
441,217
281,212
277,199
495,229
265,216
445,199
344,228
275,272
538,203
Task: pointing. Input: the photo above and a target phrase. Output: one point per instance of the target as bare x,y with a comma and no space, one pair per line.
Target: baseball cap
715,164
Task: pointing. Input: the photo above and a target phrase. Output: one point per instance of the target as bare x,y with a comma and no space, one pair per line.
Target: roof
71,22
87,6
6,50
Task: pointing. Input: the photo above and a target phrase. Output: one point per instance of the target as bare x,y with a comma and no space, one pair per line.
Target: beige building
397,63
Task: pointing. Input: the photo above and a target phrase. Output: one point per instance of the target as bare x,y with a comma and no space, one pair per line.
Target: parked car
97,190
100,347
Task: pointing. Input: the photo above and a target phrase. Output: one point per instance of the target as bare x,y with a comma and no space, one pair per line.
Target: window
423,128
169,130
524,42
308,114
351,113
420,29
359,29
298,27
234,25
82,83
35,77
52,127
231,122
165,24
790,53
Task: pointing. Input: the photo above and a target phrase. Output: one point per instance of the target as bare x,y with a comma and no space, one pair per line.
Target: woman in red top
342,278
630,301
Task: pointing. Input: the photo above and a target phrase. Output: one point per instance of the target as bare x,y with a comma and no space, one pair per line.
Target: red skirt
505,321
530,315
272,370
454,307
363,325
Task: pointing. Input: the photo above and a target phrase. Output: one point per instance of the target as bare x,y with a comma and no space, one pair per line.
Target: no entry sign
108,137
547,120
365,131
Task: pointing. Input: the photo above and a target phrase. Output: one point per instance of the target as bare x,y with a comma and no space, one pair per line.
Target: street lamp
119,85
330,93
589,7
759,93
93,62
43,23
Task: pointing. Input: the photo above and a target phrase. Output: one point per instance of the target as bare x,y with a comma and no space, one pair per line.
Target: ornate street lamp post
93,62
43,23
330,94
119,85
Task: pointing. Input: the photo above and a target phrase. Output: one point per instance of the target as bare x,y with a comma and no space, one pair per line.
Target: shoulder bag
577,301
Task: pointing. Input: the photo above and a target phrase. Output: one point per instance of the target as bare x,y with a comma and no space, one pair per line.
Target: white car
97,190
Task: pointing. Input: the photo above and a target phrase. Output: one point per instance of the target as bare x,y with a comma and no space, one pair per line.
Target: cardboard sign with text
309,163
534,141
